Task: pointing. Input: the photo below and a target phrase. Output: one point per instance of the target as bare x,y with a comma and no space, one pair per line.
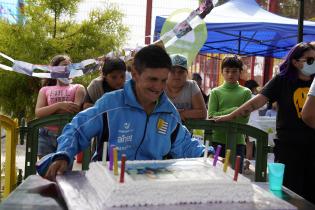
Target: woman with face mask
296,141
56,96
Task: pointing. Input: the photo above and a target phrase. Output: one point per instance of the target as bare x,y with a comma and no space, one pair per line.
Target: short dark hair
113,64
232,62
152,56
251,84
196,77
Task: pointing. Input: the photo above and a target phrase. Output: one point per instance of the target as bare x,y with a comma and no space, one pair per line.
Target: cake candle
216,155
122,169
111,157
237,167
104,153
226,160
206,151
115,151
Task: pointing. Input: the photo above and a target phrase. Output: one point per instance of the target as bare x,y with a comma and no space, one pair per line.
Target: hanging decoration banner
184,32
184,35
45,71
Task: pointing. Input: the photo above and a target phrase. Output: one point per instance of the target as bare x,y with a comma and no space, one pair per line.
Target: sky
8,10
135,14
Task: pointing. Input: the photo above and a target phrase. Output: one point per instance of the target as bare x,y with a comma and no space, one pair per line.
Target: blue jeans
47,142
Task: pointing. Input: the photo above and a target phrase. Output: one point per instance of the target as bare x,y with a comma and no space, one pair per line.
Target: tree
287,8
48,29
290,8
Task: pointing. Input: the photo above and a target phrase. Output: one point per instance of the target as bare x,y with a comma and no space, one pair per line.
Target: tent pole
268,61
252,67
300,23
239,43
148,22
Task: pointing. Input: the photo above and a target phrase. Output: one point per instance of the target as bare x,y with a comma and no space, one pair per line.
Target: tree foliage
290,8
287,8
49,28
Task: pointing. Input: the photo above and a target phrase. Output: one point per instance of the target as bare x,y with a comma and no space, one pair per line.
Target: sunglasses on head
309,61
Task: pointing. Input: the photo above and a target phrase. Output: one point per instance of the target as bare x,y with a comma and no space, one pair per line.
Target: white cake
168,182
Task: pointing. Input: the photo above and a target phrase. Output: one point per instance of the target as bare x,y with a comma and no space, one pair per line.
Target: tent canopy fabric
243,27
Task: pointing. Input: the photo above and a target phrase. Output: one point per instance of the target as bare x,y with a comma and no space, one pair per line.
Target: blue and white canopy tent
243,27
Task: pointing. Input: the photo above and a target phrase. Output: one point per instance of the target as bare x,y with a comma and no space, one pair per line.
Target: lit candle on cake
122,168
104,153
206,151
115,151
226,160
111,157
216,155
237,167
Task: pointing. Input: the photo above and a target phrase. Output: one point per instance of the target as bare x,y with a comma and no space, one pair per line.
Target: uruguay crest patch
162,126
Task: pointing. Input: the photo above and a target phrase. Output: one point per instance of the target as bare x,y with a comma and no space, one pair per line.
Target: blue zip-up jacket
118,118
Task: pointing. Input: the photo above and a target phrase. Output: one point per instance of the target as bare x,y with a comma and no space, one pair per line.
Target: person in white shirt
308,112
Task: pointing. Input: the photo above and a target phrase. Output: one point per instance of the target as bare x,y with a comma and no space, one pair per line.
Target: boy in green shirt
225,99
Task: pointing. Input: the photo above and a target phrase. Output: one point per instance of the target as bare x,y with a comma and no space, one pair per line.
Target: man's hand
56,168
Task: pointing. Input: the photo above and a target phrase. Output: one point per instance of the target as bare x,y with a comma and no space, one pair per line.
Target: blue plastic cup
275,172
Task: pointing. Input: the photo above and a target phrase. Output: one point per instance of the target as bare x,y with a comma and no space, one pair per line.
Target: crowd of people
144,116
295,139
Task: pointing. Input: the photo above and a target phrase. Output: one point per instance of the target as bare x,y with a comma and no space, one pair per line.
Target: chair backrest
231,129
32,131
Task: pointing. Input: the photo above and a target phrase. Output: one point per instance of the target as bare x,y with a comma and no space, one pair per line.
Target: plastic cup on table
275,174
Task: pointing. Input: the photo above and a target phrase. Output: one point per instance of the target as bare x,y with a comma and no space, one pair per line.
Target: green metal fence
231,129
31,131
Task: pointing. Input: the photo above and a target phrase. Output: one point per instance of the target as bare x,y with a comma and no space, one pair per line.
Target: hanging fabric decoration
45,71
176,33
185,32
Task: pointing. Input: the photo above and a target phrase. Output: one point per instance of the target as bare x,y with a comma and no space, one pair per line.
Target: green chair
32,130
232,128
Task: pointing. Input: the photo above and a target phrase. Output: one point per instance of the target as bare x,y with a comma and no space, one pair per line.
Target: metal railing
32,130
231,129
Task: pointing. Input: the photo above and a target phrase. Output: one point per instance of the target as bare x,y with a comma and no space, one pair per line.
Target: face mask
307,69
65,81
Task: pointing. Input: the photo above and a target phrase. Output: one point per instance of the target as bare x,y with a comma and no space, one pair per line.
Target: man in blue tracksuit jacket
139,119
